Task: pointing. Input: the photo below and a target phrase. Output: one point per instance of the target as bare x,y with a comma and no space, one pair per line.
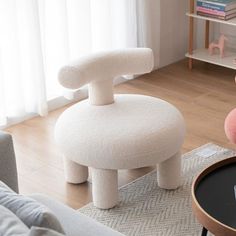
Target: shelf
226,22
203,55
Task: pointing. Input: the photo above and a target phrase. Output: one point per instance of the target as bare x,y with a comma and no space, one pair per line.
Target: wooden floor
204,95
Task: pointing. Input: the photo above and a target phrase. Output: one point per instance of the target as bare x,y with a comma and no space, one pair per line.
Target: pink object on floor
230,126
220,45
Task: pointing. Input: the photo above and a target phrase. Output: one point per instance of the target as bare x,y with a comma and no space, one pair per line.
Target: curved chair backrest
99,69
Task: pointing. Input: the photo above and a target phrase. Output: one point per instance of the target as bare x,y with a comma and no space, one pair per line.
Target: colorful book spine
211,16
217,17
210,11
211,6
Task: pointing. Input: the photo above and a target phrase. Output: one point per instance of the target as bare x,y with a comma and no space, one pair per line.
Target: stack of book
219,9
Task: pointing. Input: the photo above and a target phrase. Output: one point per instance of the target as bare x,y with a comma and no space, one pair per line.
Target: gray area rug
145,209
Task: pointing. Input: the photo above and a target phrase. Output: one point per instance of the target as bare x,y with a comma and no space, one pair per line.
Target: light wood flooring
204,95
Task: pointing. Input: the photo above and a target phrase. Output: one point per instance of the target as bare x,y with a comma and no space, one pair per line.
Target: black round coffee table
214,198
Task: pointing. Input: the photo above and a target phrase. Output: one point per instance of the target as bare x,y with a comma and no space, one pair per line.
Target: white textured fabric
75,173
169,174
133,132
130,131
106,65
99,69
10,224
105,188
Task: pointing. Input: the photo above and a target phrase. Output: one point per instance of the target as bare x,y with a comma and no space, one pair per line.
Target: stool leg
169,174
104,188
75,173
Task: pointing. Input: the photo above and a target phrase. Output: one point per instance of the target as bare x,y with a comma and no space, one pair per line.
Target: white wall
173,31
169,30
229,31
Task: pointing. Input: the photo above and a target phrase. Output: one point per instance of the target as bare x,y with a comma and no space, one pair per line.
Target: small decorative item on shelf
220,45
203,54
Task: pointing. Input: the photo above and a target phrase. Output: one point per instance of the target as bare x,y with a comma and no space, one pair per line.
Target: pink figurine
220,45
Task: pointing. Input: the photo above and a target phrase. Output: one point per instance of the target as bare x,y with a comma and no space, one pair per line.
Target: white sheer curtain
39,36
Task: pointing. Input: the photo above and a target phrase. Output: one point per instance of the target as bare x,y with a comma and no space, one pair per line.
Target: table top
214,196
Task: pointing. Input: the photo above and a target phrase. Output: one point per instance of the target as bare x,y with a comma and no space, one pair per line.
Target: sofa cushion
74,222
31,212
8,172
11,224
36,231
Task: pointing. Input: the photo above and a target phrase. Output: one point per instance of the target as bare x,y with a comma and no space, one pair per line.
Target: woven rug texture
145,209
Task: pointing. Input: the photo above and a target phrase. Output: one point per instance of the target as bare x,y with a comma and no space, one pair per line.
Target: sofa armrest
73,222
8,171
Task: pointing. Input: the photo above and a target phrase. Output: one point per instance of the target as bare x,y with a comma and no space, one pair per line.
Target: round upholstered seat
135,131
106,133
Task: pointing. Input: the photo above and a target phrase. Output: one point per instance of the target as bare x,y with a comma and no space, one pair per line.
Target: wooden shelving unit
202,53
226,22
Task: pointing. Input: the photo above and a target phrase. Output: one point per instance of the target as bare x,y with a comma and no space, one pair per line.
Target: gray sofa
73,222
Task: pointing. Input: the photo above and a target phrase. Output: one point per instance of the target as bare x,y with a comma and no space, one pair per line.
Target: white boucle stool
108,133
